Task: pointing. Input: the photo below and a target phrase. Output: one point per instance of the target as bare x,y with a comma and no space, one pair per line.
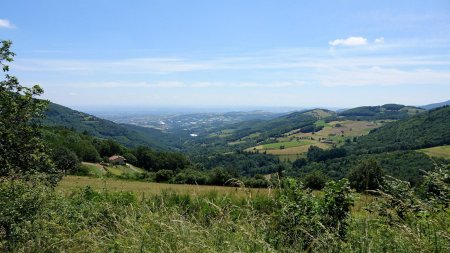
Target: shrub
20,202
163,175
304,221
368,175
315,180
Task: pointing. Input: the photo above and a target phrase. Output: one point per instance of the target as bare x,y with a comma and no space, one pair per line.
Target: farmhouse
117,160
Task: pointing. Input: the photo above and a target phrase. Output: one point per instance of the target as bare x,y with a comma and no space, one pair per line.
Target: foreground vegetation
39,219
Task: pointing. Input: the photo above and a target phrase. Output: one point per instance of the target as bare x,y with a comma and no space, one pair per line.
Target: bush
368,175
219,176
297,164
163,175
190,176
315,180
304,221
20,202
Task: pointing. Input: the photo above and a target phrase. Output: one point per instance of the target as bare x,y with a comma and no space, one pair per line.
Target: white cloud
4,23
379,40
350,41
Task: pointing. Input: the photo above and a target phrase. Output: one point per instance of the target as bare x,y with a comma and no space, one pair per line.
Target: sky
231,53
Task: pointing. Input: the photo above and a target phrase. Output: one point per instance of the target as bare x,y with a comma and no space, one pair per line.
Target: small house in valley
117,160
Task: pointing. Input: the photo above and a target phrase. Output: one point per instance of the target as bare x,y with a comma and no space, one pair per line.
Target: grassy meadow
107,215
72,183
441,152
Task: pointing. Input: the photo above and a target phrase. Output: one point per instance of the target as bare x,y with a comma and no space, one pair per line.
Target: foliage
367,175
65,160
22,151
315,180
152,160
405,165
388,111
435,187
304,221
297,164
128,135
244,163
316,154
20,202
163,175
425,130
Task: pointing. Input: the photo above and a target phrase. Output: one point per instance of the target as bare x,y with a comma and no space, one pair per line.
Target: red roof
116,157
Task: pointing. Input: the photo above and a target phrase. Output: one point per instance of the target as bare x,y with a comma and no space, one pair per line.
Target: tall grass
92,220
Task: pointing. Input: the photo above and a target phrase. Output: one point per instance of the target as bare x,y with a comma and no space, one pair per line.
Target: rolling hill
281,125
387,111
428,129
128,135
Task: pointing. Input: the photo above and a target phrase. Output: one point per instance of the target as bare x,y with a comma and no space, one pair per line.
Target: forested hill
283,124
387,111
427,129
128,135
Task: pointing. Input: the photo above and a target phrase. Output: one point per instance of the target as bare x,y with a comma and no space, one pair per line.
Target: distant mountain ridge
435,105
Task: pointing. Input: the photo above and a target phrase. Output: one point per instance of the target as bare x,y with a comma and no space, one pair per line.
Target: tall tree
22,151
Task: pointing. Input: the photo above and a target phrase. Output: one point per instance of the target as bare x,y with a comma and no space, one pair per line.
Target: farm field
71,183
441,152
294,143
97,169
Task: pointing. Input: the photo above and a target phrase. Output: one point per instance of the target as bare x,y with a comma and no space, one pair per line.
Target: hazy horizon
231,54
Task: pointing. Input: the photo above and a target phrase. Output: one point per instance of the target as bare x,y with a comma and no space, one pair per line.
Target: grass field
70,183
296,143
286,144
442,152
96,169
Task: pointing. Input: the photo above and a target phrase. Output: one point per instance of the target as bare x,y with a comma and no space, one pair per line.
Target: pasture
294,143
96,169
71,183
441,152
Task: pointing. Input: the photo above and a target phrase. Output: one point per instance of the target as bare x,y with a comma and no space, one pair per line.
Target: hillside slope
128,135
435,105
387,111
425,130
283,124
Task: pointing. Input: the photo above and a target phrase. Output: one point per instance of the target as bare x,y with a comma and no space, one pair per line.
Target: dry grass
442,152
70,183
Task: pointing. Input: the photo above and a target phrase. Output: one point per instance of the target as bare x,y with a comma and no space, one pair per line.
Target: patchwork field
441,152
295,144
70,183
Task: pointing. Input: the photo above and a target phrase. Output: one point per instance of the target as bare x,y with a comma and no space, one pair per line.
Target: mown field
441,152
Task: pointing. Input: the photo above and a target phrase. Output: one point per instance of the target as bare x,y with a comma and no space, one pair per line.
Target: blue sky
231,53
